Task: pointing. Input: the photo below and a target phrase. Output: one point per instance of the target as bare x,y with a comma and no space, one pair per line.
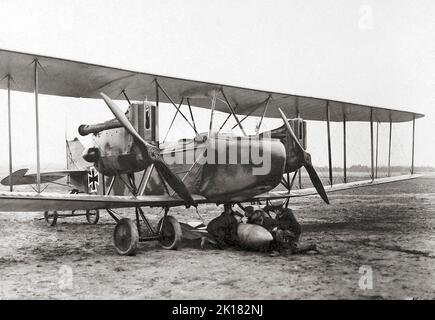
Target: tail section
74,159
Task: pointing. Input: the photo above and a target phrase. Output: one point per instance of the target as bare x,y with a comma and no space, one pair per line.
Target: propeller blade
174,181
290,130
122,118
152,152
306,160
315,180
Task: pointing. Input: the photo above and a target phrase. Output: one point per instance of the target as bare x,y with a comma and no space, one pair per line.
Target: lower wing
337,187
31,201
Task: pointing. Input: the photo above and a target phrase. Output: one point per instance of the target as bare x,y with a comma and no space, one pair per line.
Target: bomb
253,236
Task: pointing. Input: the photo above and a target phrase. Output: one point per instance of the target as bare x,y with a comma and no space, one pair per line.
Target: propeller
152,152
306,160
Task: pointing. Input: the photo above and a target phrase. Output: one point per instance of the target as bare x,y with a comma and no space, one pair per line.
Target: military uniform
286,220
223,229
261,218
287,232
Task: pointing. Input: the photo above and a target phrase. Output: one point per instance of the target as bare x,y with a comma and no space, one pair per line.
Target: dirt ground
386,229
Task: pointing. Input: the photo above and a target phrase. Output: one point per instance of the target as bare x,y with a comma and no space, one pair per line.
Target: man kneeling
287,232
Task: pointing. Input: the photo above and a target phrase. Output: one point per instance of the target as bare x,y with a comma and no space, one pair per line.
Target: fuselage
221,167
232,168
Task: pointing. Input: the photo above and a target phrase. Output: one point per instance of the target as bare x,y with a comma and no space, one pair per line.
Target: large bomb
253,236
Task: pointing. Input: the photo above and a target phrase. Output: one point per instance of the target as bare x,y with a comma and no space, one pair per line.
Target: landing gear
126,237
170,233
51,218
128,233
93,216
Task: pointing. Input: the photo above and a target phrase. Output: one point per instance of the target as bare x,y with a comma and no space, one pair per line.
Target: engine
115,151
299,127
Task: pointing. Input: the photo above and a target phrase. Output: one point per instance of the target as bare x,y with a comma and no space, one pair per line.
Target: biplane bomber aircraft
129,167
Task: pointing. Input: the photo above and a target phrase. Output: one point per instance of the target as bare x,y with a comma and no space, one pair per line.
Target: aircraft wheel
170,234
93,216
126,237
51,218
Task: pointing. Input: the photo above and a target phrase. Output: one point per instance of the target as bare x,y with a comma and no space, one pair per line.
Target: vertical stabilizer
74,159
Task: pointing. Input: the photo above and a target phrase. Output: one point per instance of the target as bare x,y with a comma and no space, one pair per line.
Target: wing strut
10,133
38,164
377,149
413,144
389,149
9,78
298,115
233,112
157,109
125,96
257,130
328,127
344,148
228,117
191,113
371,146
253,110
175,106
213,106
173,119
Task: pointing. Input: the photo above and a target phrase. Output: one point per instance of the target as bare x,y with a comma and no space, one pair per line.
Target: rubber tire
52,222
176,233
127,242
89,216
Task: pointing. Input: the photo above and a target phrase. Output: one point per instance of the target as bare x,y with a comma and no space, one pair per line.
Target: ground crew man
261,218
223,230
287,232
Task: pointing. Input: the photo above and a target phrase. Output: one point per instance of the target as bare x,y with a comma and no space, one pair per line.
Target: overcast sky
380,53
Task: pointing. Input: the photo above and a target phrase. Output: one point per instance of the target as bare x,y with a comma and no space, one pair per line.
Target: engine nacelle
115,151
143,116
299,127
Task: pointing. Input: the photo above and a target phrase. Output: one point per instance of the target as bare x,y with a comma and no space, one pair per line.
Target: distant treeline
361,168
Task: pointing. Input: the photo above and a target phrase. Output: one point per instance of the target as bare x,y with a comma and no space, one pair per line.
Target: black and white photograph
234,151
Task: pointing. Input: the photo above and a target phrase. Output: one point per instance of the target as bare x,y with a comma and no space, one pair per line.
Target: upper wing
63,77
21,177
337,187
30,201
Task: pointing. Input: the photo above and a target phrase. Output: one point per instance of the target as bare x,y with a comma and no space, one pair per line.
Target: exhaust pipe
86,129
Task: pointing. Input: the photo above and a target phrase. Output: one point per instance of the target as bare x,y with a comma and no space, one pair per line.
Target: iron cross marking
93,179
